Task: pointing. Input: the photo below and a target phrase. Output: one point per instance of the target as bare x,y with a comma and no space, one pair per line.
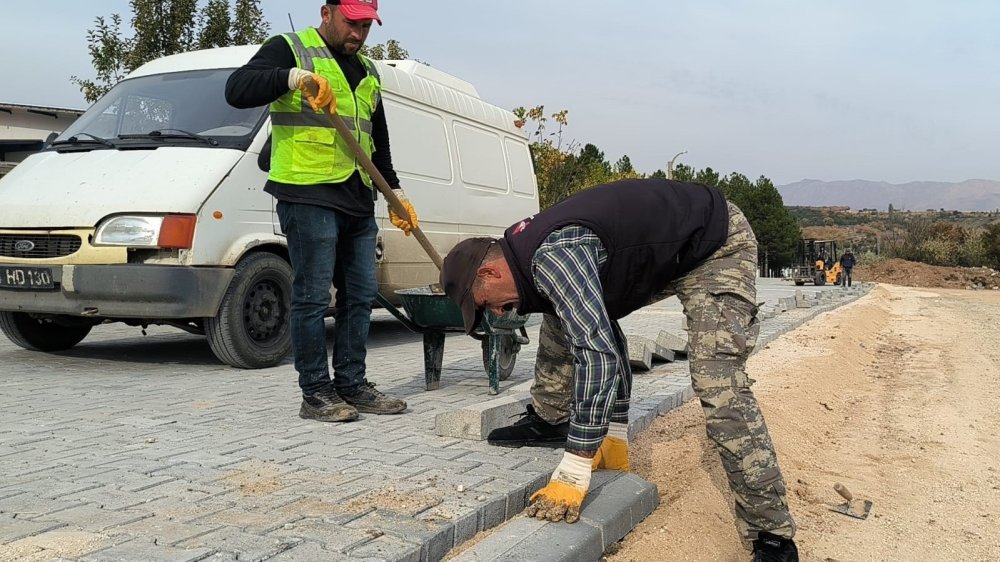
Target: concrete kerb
618,501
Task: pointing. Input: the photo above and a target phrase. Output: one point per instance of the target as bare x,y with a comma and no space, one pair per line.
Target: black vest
654,232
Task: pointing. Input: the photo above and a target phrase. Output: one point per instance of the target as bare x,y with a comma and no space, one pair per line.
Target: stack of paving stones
146,448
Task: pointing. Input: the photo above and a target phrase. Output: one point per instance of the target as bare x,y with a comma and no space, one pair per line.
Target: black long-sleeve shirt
265,79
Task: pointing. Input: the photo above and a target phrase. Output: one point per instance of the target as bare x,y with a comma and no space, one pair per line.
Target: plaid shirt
566,271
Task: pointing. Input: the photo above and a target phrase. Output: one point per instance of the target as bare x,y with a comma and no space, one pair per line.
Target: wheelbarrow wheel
507,356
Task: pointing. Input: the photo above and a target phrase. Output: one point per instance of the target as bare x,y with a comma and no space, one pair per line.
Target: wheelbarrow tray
433,314
430,310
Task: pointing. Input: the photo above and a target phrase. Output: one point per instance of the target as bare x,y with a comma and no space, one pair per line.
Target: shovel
858,509
394,203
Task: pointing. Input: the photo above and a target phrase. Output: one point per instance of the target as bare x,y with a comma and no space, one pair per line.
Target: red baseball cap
358,9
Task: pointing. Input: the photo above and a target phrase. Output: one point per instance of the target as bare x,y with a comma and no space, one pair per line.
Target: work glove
563,495
613,454
314,87
399,222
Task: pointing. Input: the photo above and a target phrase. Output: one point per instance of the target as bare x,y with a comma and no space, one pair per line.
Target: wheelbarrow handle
394,203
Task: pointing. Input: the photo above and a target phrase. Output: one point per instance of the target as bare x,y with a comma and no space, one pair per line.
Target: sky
893,90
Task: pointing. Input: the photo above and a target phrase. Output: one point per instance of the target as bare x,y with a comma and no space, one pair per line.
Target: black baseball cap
458,274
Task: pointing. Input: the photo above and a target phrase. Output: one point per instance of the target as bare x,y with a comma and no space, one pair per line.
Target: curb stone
624,499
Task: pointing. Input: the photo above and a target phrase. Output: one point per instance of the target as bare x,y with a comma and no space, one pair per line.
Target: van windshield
176,109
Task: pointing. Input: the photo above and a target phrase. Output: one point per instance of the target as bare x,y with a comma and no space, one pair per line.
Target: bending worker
326,204
594,258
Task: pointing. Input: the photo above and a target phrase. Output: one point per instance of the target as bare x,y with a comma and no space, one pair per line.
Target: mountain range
969,195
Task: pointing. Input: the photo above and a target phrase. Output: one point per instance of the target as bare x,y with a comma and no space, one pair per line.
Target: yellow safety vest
305,148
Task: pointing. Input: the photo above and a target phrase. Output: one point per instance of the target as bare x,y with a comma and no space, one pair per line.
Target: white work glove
563,495
405,225
319,96
613,454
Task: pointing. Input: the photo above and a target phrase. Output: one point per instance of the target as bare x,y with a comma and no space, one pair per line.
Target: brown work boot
367,400
327,406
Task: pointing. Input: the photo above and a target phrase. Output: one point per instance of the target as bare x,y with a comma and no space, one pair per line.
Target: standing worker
326,204
847,262
594,258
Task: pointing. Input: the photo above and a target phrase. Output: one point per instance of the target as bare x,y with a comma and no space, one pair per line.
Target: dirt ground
895,396
916,274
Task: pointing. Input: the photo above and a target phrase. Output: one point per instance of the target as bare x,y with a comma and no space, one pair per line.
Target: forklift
817,262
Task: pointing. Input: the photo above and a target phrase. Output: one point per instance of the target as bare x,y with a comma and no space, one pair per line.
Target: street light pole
670,165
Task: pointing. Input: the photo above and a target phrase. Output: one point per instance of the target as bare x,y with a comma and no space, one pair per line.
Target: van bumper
122,291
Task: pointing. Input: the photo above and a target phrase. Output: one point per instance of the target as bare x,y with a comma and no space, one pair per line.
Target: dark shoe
370,401
530,431
327,406
772,548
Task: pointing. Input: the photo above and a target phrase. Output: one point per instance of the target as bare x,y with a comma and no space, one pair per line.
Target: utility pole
670,165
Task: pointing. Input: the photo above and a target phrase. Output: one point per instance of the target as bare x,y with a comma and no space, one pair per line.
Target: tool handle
843,491
394,203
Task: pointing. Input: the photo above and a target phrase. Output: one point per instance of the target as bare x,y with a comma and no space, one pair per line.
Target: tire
507,358
42,333
251,328
820,279
800,283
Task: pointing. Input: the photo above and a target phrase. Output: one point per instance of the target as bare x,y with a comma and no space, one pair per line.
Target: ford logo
24,246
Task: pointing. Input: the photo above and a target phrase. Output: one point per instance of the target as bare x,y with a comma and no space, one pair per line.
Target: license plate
28,278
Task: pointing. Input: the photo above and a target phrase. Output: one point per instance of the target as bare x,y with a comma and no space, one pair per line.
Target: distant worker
589,261
846,265
326,204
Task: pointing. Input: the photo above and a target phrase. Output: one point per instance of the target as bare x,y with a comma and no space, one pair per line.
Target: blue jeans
324,245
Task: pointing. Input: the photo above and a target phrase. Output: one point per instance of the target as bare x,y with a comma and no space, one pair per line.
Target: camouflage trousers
719,300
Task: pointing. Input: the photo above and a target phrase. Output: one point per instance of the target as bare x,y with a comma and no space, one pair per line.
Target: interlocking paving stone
164,433
91,518
141,550
12,529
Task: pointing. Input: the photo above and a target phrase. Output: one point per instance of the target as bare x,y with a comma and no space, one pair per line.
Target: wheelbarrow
433,315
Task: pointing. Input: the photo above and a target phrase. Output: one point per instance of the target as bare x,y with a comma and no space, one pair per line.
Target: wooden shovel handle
394,203
843,491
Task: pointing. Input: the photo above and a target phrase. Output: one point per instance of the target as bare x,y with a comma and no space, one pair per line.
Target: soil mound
916,274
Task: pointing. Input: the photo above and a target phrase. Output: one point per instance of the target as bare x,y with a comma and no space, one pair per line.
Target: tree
249,26
165,27
162,27
623,168
390,50
108,51
215,24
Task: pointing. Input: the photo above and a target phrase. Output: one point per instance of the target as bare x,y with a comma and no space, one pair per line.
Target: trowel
856,508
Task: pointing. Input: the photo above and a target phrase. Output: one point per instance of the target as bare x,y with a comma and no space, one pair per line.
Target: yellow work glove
563,495
399,222
314,87
613,454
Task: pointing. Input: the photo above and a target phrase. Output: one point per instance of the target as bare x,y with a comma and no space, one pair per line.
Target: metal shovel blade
859,509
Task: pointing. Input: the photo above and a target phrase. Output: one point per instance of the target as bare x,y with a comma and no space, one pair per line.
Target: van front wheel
251,330
42,333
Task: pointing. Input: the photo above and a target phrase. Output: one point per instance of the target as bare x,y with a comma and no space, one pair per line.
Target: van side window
481,158
522,176
424,132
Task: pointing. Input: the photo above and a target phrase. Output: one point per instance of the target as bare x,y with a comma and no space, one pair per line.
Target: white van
150,208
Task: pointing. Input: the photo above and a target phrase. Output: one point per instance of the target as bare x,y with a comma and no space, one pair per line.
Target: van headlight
141,231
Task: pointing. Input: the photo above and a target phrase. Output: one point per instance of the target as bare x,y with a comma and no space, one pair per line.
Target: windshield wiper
173,134
92,139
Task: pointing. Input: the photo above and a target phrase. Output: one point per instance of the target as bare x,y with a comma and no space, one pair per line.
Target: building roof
9,107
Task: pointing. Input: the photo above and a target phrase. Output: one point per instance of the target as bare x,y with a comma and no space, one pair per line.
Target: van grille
41,245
